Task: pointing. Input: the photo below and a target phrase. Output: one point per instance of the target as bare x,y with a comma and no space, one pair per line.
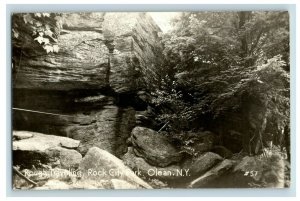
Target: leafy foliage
223,67
169,102
40,28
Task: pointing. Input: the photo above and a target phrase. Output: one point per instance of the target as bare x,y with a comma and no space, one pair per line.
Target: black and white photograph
150,100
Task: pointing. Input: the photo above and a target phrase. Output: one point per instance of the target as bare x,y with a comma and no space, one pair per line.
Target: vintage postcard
150,100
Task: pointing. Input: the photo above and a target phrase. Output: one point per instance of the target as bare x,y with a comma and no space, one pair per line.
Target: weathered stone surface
45,149
110,130
137,47
83,21
81,115
267,171
67,158
95,63
154,147
125,124
169,173
22,135
97,50
100,134
245,164
40,142
100,164
202,163
213,174
81,63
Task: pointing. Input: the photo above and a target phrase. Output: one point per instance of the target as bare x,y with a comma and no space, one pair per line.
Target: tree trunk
244,16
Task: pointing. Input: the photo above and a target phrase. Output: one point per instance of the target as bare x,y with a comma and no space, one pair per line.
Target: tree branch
24,177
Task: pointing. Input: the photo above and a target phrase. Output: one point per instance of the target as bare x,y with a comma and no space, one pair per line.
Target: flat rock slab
42,142
47,149
154,147
22,135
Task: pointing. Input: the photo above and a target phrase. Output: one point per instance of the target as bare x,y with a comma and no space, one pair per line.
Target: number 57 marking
251,173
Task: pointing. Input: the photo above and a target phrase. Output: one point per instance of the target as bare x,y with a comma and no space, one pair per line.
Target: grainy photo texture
150,100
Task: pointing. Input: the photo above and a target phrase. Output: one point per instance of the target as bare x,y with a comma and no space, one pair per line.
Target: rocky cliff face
85,91
96,50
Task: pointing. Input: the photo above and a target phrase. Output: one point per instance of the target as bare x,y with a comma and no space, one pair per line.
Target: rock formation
96,50
139,164
154,147
213,174
35,148
89,84
100,164
202,163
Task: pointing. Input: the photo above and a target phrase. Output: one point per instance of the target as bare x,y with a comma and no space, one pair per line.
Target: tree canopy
226,68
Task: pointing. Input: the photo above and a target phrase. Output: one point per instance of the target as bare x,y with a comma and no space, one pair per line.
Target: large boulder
154,147
46,149
202,163
99,164
213,175
169,173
